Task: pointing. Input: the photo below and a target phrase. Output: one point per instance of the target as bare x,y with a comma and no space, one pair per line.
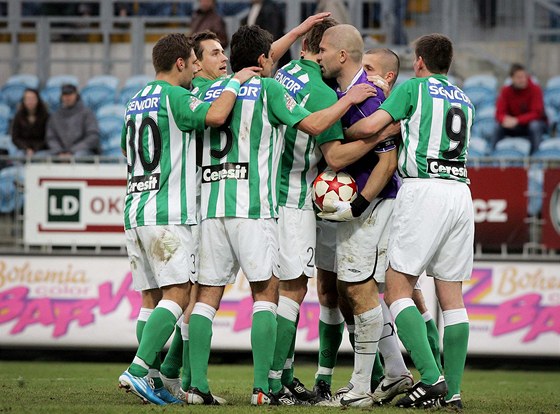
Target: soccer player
240,163
160,206
433,223
296,218
360,240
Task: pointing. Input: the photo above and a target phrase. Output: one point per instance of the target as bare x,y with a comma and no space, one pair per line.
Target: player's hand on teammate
359,93
247,73
380,83
308,23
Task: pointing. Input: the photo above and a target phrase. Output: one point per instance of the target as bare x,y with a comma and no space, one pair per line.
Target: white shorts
162,255
230,243
296,237
433,229
325,249
361,244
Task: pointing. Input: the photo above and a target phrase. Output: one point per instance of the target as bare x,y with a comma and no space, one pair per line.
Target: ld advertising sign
74,204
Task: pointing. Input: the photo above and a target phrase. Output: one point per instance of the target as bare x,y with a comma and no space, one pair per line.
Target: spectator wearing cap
73,128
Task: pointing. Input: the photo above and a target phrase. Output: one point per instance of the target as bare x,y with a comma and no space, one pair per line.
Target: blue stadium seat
131,86
550,144
10,199
107,80
112,146
485,122
111,109
519,144
5,117
12,91
7,144
478,147
553,82
95,96
487,81
480,96
109,125
508,157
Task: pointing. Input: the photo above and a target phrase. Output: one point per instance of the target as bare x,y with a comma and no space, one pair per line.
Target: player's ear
261,59
180,64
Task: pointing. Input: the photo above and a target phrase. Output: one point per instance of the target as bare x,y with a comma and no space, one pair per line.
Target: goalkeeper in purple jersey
360,245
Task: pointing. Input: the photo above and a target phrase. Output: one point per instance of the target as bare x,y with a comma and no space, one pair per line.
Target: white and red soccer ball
334,186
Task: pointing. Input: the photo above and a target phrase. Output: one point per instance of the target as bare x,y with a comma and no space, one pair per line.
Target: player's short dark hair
392,59
515,67
170,48
314,36
436,50
199,37
247,44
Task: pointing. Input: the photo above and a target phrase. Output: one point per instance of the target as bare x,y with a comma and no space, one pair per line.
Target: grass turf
72,387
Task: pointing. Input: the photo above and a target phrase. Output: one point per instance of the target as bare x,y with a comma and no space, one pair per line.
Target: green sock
412,332
139,329
186,373
200,339
377,373
330,338
433,340
155,334
455,341
140,325
288,373
285,335
263,340
173,360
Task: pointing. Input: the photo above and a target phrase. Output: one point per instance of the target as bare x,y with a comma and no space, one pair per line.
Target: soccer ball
335,186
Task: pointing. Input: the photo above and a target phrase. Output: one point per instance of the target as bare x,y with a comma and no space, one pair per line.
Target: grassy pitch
69,387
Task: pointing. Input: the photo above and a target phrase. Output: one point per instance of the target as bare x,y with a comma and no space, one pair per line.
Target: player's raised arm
281,46
221,107
319,121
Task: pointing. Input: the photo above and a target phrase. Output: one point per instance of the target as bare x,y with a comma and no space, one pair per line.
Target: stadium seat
111,109
131,86
550,144
7,144
523,145
480,96
5,117
478,147
553,82
95,96
509,155
485,122
111,147
51,91
10,199
107,80
487,81
12,91
109,125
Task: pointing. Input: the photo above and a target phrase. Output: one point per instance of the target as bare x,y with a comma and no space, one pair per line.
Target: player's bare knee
210,295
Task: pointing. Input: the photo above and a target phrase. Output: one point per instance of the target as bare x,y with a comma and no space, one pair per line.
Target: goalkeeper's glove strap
359,205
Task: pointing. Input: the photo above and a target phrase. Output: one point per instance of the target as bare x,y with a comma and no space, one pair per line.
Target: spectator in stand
520,109
206,17
73,129
30,123
270,16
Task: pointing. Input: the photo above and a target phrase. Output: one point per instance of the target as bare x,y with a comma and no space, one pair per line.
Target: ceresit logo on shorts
141,183
225,171
453,168
63,205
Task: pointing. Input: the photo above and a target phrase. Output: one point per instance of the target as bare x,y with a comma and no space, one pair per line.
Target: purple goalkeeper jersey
362,168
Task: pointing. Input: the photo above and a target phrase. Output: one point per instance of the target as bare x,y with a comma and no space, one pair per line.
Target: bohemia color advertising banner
88,302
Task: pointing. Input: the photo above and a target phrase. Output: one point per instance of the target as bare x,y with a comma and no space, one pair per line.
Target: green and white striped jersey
240,161
436,120
159,140
303,81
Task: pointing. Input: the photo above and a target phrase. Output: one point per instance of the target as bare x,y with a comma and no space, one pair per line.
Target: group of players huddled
230,161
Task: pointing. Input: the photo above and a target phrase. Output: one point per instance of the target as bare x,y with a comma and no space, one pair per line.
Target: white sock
368,327
394,365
